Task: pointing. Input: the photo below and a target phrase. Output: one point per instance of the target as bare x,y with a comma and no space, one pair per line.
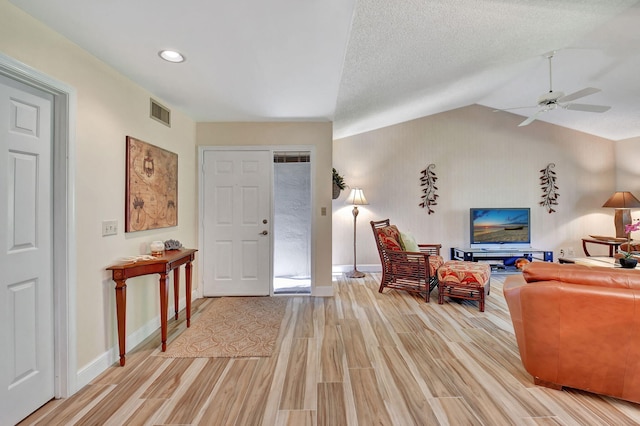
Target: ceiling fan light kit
552,100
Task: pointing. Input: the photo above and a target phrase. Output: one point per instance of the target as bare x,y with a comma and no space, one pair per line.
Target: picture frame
151,193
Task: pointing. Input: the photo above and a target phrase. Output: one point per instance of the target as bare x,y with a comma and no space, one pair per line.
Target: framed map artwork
151,195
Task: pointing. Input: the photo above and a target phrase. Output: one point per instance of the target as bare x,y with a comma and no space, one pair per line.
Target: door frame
271,148
64,221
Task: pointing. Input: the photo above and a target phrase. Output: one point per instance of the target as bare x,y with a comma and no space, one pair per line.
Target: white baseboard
323,291
96,367
373,267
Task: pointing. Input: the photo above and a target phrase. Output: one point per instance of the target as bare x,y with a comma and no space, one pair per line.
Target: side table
613,245
171,260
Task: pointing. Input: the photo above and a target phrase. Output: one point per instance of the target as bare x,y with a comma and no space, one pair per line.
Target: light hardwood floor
359,358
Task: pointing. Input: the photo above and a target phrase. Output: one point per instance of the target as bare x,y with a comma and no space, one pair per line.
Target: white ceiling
366,64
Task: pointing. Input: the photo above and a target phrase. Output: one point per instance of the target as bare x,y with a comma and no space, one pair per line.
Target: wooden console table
171,260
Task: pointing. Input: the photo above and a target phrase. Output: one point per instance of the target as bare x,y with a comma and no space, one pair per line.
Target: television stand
496,256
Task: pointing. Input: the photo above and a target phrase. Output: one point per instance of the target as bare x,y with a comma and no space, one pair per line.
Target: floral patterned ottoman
464,280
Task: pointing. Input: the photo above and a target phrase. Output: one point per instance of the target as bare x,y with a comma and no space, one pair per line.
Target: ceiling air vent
160,113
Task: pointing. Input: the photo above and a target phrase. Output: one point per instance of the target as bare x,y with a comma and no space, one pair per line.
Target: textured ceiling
366,64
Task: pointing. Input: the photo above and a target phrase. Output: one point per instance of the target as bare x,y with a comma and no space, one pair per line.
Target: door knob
265,232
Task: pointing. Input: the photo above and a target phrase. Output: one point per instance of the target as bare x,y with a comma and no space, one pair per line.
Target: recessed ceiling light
171,56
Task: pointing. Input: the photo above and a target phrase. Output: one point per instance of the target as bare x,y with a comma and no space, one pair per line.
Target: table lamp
622,201
356,198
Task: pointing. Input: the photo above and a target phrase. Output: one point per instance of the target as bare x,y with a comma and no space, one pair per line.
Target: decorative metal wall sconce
428,180
549,188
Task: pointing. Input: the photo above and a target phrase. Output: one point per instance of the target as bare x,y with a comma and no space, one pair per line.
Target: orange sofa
578,326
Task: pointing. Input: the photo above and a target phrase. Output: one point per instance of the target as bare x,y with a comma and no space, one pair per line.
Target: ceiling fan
552,100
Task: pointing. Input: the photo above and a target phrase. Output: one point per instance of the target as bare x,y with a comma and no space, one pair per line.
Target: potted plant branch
338,184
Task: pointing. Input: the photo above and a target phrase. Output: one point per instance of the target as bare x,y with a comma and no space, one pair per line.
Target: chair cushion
408,242
435,262
390,238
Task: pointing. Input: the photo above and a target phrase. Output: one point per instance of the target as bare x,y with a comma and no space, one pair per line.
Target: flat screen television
493,226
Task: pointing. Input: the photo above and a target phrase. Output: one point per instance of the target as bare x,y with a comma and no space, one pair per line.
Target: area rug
232,327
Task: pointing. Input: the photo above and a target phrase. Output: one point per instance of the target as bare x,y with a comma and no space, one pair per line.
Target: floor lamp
622,201
356,198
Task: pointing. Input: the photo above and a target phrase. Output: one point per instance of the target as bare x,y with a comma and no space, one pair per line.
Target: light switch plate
109,227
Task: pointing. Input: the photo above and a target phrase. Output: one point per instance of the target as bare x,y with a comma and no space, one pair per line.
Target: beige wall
109,107
482,159
318,135
628,168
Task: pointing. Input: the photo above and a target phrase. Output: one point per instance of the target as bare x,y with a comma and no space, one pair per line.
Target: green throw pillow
408,242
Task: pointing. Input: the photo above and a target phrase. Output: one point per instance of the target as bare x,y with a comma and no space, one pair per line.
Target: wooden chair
415,272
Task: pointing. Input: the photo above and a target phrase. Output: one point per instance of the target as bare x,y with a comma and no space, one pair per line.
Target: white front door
236,220
26,285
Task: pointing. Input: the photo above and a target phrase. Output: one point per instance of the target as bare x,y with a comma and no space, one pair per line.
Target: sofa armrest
599,276
535,323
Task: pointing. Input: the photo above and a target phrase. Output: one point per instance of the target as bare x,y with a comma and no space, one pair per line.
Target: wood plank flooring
358,358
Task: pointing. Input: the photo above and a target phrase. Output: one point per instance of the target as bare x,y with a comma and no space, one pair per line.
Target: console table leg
121,310
176,289
187,271
164,305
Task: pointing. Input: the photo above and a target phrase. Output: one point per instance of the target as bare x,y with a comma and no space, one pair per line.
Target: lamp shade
622,200
356,197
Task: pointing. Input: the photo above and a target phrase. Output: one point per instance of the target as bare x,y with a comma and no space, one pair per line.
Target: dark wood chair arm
408,265
430,248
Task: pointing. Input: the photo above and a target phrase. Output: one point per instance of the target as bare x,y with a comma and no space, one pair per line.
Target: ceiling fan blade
587,107
530,119
579,94
509,109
